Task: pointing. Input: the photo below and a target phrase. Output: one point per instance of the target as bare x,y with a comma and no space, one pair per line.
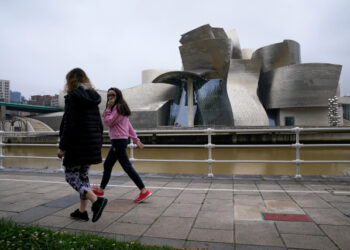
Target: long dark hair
122,106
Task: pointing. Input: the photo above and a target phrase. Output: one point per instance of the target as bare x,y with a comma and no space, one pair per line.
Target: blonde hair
74,78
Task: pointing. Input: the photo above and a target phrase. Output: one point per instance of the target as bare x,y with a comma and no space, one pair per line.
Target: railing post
297,150
131,151
61,165
1,133
210,145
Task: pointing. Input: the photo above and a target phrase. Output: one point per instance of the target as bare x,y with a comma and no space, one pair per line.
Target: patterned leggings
78,178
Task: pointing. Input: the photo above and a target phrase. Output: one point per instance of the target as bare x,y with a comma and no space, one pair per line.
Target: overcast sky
113,41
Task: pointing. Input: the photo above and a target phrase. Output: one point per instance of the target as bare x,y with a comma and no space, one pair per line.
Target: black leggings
118,152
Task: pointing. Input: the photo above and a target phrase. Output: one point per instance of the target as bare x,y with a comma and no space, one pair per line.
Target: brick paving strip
192,211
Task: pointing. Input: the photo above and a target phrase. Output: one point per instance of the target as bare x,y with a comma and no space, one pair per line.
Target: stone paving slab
298,227
214,220
182,210
187,197
141,215
64,202
119,206
212,205
252,247
126,228
283,207
208,245
248,213
33,214
343,207
339,234
327,216
210,235
312,202
170,227
54,220
105,220
308,242
153,241
221,213
257,233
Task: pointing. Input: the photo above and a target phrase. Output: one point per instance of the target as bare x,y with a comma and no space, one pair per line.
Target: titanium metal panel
299,85
148,94
201,33
211,55
180,77
213,103
242,85
219,33
278,55
150,74
236,46
247,53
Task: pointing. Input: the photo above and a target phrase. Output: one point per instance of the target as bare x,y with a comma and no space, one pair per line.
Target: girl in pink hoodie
116,117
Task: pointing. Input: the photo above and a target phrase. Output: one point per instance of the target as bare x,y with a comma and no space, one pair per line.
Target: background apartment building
4,91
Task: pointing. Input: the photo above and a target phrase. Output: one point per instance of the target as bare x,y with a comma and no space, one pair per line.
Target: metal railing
208,132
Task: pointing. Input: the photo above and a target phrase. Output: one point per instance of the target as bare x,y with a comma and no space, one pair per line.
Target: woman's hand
140,144
60,154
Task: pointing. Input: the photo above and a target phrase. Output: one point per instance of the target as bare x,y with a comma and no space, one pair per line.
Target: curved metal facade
278,55
242,85
299,85
150,74
212,54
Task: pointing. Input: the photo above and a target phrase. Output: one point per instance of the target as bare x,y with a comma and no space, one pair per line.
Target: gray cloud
113,41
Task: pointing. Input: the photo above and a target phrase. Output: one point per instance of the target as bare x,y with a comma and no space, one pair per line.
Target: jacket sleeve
68,124
110,117
132,133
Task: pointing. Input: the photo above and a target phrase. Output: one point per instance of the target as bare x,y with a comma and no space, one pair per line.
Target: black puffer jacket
81,128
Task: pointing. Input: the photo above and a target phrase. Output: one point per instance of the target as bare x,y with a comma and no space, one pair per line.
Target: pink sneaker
95,190
142,196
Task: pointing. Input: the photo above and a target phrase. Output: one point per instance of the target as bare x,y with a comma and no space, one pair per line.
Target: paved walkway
192,211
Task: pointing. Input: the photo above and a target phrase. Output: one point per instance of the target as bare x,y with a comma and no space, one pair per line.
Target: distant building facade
15,97
42,100
4,91
54,101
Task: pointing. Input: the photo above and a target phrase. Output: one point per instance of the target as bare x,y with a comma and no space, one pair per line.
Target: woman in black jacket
81,140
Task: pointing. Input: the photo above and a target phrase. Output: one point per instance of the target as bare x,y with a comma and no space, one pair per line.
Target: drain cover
285,217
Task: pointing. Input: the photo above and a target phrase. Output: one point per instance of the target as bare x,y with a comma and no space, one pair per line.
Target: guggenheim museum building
221,84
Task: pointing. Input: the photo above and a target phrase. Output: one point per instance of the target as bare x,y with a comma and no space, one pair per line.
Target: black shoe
97,208
80,215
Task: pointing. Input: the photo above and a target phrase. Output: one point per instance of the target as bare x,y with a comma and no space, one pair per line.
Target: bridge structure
27,108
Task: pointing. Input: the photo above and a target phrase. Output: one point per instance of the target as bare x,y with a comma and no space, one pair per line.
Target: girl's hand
140,144
110,102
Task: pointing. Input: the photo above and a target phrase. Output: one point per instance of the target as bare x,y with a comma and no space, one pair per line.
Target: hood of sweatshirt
85,95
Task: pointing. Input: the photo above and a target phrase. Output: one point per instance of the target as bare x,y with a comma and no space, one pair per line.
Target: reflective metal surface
213,104
152,107
278,55
299,85
213,54
150,74
236,47
242,85
206,48
201,33
247,53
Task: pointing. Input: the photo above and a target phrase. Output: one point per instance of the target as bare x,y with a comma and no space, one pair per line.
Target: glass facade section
346,111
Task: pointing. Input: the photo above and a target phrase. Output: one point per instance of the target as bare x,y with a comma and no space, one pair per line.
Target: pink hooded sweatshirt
119,125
